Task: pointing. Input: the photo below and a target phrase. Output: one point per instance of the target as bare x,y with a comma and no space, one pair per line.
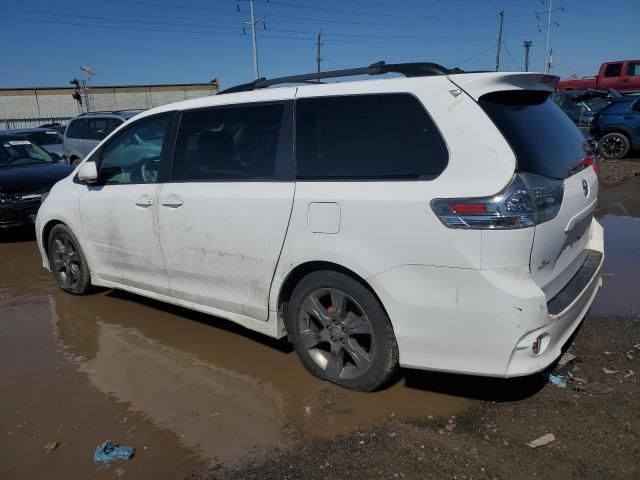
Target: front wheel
67,261
613,146
341,332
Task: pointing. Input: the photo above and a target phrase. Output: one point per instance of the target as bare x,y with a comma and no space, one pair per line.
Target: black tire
614,146
67,261
75,161
351,343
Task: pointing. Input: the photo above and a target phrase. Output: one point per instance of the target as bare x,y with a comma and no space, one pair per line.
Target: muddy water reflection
619,214
223,391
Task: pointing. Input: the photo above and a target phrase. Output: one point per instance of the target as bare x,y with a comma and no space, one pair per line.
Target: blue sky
43,43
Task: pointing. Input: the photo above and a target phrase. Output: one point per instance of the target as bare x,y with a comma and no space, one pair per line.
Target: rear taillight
529,200
589,160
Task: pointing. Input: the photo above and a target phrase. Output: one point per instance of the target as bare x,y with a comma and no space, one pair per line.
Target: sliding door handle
171,202
144,202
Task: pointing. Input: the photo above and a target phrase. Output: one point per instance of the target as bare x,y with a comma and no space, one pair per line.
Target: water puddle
225,394
619,214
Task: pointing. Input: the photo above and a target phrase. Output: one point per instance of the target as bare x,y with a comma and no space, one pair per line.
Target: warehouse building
28,107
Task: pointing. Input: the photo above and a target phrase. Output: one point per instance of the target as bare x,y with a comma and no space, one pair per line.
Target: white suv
442,221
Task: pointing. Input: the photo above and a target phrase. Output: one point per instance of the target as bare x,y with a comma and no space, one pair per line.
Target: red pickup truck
623,75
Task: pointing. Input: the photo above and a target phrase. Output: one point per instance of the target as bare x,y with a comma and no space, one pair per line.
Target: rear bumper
482,322
565,311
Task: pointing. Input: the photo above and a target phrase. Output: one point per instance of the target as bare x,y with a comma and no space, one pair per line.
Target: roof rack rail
378,68
114,112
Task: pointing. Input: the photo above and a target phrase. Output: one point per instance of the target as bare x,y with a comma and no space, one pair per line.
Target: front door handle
171,202
144,202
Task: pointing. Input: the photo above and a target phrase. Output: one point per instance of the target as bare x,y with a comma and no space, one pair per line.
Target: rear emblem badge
585,188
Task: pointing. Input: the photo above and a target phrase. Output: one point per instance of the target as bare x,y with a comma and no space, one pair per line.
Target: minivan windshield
14,151
545,140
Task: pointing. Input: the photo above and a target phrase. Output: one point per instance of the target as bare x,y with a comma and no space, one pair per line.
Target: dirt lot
200,398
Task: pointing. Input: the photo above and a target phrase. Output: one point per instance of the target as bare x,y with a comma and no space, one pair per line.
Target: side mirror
88,172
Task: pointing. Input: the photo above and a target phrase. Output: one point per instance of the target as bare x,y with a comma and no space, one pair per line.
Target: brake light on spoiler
528,200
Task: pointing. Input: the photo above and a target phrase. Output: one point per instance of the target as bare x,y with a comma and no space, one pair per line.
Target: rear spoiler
479,84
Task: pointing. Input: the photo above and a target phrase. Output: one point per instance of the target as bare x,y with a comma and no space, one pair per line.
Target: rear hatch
554,160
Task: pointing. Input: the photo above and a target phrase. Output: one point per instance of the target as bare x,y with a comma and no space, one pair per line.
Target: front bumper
17,213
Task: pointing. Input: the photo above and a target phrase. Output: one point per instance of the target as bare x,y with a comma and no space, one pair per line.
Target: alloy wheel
66,262
612,146
337,333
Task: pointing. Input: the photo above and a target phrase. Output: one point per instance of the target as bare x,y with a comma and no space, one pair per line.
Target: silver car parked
86,131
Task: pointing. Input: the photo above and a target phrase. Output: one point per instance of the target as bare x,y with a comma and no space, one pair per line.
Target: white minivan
440,221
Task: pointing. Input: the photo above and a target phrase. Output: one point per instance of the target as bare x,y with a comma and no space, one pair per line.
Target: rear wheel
341,332
613,146
67,261
75,161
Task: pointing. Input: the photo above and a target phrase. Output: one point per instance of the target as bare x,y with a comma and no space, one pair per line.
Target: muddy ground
201,398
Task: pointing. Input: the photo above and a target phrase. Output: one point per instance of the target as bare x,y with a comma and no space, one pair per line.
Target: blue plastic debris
108,452
558,381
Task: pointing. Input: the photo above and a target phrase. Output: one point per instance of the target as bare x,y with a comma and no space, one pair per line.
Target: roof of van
475,84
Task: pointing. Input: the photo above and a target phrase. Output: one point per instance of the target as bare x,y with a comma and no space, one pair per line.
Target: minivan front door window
133,156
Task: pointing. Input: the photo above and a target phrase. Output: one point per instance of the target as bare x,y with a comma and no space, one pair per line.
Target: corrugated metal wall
58,102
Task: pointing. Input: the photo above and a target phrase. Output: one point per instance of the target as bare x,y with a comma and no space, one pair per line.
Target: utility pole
547,25
499,41
318,57
253,22
527,45
547,61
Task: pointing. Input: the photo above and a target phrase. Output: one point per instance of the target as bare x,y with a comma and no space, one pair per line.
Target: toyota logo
585,188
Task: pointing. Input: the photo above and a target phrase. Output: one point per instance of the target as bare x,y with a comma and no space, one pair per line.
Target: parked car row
32,160
607,117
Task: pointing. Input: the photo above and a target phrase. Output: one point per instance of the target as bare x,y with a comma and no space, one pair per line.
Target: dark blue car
27,173
617,127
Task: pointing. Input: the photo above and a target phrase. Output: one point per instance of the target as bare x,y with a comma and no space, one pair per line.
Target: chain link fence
31,122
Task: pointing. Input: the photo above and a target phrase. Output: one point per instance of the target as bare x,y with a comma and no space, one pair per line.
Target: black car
617,127
27,173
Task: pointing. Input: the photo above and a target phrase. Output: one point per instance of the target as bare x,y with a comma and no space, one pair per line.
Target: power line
438,20
515,62
119,27
472,57
129,20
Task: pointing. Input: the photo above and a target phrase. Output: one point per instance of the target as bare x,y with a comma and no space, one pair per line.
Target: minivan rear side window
99,127
544,139
382,136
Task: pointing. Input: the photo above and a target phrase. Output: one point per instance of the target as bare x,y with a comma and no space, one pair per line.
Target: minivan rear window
367,137
545,140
